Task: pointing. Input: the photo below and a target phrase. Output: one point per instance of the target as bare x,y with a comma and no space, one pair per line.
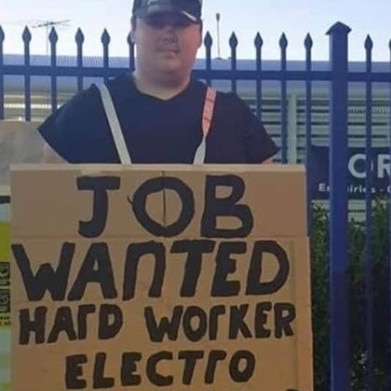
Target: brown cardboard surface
223,274
281,363
275,194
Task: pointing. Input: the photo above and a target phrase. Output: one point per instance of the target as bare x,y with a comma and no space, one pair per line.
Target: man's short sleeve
258,144
67,129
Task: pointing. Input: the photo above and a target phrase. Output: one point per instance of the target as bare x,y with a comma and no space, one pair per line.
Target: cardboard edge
305,368
98,168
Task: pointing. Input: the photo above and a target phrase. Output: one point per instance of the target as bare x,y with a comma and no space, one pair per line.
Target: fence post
338,172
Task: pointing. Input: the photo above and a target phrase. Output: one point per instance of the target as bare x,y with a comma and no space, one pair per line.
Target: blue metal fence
339,76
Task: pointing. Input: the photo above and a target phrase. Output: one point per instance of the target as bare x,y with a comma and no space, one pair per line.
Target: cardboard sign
147,278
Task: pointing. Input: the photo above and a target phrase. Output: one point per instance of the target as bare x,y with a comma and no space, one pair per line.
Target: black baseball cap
189,8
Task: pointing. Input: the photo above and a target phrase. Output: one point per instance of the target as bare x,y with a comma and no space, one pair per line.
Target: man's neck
162,89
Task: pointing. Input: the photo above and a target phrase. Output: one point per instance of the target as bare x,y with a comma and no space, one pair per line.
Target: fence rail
339,76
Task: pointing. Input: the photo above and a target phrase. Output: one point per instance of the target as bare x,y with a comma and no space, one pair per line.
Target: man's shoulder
230,97
231,104
222,97
90,97
120,81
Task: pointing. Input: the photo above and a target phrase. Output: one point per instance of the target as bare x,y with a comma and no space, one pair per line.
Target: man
159,113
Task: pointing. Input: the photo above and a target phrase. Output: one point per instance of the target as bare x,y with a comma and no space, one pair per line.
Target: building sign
380,163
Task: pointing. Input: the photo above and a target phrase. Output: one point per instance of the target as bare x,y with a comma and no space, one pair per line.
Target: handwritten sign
170,278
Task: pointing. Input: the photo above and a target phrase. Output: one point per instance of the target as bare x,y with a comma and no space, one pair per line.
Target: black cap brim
145,12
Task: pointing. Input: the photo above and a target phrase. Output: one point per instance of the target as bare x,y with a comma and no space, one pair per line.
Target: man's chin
170,65
169,55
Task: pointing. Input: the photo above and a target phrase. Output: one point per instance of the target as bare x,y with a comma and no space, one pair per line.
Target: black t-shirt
155,130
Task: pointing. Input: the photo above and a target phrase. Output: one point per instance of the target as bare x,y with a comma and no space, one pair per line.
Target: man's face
167,43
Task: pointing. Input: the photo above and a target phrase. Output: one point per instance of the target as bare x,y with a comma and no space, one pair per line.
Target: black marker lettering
133,255
237,323
214,357
195,250
165,327
161,184
224,266
46,278
285,314
63,322
100,206
254,284
129,366
73,372
196,333
107,329
96,268
32,326
215,312
100,381
190,357
82,314
225,207
154,377
261,319
242,376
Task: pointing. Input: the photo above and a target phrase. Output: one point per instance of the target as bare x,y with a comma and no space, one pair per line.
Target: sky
246,18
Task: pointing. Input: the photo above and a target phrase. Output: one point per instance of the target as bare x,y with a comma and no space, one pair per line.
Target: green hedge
320,291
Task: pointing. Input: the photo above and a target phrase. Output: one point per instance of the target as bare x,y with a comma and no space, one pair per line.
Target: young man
158,114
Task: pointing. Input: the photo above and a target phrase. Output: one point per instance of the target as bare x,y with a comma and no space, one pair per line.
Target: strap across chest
118,136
